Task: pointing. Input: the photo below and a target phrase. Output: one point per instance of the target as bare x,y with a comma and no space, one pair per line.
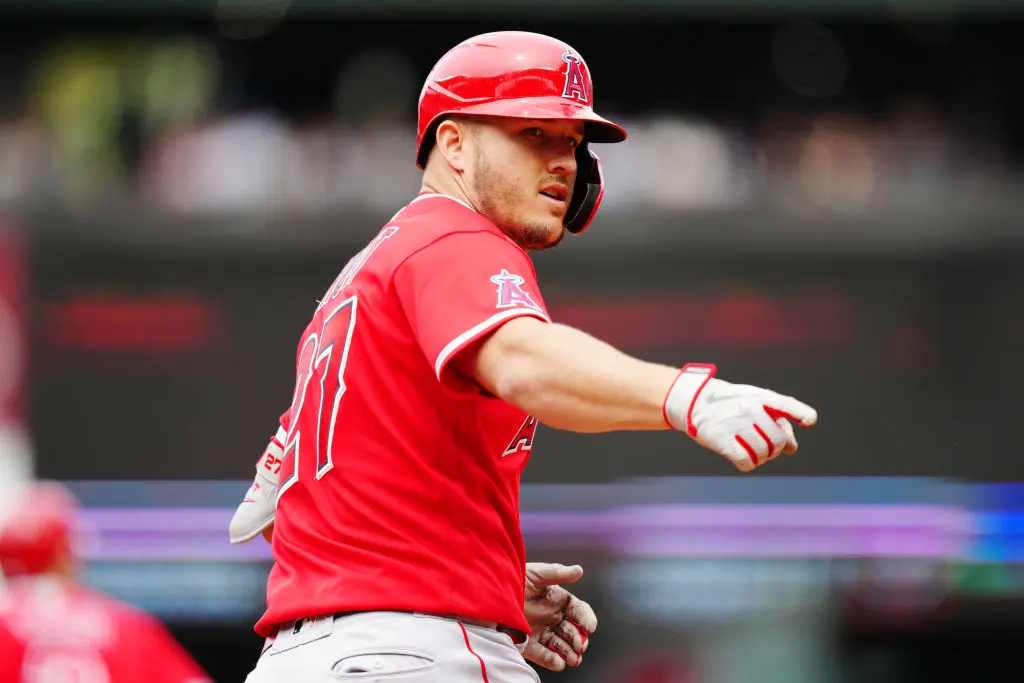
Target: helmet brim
597,128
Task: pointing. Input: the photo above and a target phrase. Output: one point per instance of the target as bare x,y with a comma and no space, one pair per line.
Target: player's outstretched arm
570,380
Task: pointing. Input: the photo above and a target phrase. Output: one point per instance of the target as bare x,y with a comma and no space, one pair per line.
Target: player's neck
442,183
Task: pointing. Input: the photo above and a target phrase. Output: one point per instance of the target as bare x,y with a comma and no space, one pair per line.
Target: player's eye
534,132
574,141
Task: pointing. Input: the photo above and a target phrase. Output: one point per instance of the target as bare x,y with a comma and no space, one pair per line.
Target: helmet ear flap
586,193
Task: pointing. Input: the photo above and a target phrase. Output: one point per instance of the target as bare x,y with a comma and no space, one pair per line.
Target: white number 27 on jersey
324,355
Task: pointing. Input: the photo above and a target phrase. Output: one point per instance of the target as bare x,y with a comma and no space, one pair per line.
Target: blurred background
822,197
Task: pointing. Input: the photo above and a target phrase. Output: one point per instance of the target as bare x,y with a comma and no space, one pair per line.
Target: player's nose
564,162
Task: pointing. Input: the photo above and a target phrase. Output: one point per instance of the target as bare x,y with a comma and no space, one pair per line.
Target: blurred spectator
54,629
232,165
838,162
22,154
15,440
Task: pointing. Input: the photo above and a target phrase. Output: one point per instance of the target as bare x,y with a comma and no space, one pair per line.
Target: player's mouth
555,193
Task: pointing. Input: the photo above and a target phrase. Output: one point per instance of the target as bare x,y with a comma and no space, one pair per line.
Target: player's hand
746,424
255,514
560,623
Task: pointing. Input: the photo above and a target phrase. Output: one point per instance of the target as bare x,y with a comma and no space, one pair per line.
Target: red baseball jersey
399,487
53,631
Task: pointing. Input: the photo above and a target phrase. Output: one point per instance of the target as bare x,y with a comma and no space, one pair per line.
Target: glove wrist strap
678,406
269,464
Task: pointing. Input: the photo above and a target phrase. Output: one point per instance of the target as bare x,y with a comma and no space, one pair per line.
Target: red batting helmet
526,76
37,533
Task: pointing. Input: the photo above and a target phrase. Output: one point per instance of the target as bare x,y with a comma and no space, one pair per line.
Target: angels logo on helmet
575,83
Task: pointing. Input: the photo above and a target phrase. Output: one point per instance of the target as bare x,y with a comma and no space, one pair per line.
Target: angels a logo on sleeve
523,440
575,79
510,291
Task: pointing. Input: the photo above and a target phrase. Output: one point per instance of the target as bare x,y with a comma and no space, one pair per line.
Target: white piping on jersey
479,328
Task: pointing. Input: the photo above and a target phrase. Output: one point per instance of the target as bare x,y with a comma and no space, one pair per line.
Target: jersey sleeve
462,287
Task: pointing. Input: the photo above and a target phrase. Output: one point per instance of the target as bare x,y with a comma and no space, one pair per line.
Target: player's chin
553,220
552,234
557,234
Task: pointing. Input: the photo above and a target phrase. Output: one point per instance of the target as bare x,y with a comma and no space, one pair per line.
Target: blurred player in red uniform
52,629
420,383
15,441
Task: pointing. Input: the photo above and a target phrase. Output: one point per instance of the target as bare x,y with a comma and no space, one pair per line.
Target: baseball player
54,629
420,382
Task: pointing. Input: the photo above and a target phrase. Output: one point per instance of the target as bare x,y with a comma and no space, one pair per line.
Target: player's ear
454,142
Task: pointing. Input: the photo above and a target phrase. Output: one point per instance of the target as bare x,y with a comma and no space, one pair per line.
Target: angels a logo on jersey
511,292
575,81
523,440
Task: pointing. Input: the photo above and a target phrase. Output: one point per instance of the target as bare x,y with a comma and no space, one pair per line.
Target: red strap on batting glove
684,392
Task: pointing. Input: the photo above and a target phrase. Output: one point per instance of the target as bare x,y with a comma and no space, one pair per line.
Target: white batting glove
255,514
746,424
560,623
